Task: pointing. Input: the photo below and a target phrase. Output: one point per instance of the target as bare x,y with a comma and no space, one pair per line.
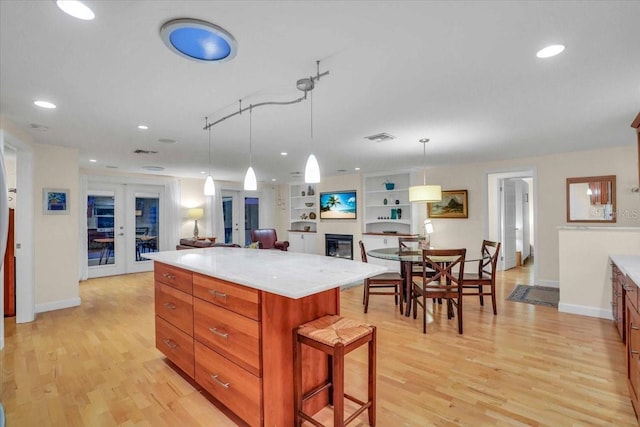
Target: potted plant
389,185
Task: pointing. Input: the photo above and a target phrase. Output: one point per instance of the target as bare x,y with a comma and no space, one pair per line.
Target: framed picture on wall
55,201
454,204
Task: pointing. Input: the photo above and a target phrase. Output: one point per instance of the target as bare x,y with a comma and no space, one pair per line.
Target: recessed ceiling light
92,160
44,104
143,127
198,40
153,168
202,172
550,51
284,153
76,9
357,169
273,179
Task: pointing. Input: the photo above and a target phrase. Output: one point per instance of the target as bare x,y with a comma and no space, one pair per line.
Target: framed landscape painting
454,204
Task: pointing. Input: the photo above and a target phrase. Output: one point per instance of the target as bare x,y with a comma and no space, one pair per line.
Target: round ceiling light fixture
199,40
550,51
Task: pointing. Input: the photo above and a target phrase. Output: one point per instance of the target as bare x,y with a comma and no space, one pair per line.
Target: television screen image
338,205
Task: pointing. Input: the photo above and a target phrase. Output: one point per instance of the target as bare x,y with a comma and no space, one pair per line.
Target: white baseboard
585,311
548,283
57,305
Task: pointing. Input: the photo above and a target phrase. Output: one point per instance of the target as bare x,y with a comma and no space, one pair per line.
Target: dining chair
445,283
391,281
482,282
411,244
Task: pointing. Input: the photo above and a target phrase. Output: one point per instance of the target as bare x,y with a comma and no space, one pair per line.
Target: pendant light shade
250,182
425,193
312,170
209,186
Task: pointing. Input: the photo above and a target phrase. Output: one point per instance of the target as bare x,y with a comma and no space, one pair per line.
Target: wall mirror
591,199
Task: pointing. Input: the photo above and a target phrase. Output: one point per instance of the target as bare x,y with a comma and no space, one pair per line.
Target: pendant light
425,193
312,169
250,182
209,186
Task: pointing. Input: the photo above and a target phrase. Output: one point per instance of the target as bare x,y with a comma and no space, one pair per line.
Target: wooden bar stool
335,336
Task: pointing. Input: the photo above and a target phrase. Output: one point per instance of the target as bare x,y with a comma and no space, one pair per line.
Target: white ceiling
463,74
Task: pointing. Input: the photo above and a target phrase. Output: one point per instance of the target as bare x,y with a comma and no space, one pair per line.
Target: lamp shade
312,170
425,193
195,213
209,187
250,182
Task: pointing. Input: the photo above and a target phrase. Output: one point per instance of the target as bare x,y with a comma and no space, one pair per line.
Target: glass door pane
227,212
100,229
251,217
147,224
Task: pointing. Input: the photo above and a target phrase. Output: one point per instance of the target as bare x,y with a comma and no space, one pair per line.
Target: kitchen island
225,317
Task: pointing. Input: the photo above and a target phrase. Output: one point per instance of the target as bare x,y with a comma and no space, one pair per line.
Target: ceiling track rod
261,104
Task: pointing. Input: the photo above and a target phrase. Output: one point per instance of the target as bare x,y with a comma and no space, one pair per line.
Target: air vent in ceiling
380,137
153,168
139,151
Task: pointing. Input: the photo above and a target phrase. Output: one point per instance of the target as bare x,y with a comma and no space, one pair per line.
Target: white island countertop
629,265
289,274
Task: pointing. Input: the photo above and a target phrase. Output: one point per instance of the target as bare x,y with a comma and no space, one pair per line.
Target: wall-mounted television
338,205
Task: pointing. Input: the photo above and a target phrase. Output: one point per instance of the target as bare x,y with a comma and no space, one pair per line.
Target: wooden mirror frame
593,179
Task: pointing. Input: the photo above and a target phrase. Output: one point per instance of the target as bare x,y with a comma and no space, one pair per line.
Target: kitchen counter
629,265
288,274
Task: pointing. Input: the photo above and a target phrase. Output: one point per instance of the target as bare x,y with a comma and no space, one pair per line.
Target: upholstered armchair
268,239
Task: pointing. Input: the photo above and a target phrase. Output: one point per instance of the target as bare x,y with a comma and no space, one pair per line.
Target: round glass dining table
407,258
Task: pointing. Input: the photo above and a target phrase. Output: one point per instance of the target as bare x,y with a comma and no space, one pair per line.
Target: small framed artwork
454,204
55,201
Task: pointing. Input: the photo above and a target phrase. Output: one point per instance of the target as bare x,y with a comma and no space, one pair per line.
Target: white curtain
215,217
172,230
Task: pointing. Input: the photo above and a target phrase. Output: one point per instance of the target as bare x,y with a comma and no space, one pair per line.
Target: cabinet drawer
234,387
175,344
240,299
174,306
173,276
234,336
631,291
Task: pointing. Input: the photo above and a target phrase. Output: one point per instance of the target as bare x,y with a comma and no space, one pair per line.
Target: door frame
493,210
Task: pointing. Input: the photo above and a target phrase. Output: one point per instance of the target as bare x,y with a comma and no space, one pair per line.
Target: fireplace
339,245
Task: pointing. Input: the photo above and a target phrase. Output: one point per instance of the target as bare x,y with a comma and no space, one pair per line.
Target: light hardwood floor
96,365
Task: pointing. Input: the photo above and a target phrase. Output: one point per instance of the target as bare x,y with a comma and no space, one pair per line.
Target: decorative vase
397,202
399,210
312,215
384,201
389,185
303,193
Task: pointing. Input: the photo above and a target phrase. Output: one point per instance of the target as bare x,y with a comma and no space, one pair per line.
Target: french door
240,208
123,224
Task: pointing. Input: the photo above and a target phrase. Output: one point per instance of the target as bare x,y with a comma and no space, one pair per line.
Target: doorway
237,207
512,216
123,223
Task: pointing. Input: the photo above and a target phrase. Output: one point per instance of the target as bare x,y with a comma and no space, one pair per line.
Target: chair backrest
490,251
448,269
409,244
266,236
363,252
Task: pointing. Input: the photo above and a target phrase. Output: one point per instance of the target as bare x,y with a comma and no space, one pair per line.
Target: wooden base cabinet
618,300
240,342
633,343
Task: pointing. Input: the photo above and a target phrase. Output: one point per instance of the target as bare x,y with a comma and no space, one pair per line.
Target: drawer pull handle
635,352
169,276
217,294
224,335
170,306
215,378
635,328
170,343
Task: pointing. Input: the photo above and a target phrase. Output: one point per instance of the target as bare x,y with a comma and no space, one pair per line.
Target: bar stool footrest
316,390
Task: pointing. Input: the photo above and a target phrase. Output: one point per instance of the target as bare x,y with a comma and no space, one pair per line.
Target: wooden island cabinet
625,272
222,319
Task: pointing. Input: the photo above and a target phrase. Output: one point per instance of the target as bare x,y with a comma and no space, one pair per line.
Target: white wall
585,272
56,237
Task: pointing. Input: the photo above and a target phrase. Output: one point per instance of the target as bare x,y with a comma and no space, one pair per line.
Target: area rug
538,295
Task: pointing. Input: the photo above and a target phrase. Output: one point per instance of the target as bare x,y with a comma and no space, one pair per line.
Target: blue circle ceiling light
199,40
